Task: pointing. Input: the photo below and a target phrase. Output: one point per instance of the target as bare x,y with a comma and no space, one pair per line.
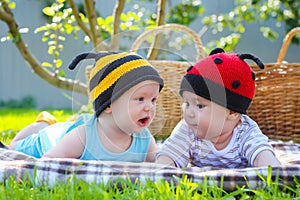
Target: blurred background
20,86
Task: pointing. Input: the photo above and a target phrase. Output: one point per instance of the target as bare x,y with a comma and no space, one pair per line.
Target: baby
124,89
215,130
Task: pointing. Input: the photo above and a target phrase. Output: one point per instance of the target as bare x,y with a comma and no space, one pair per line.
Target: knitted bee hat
113,74
224,78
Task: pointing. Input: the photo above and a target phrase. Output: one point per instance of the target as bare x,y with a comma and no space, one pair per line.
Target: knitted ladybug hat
115,73
224,78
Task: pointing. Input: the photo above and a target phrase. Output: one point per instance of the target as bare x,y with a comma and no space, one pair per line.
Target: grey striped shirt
184,148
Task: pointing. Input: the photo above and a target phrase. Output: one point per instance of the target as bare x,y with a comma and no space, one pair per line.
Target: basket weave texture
276,106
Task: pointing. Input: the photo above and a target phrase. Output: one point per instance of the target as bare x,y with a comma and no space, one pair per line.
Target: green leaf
269,33
124,17
134,27
52,42
49,11
56,19
207,20
52,36
68,28
201,10
51,49
56,54
123,26
62,38
12,5
133,16
61,73
16,39
61,47
109,20
58,63
41,28
240,28
46,64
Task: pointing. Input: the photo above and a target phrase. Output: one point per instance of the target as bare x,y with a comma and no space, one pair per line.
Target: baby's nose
149,105
190,112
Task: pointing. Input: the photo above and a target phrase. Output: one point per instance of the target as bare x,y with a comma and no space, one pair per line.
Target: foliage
185,13
68,18
254,11
25,102
53,33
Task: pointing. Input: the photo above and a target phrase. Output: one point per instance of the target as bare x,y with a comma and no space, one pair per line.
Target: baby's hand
165,160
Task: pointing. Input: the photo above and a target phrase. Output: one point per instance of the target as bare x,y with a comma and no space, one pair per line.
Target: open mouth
144,121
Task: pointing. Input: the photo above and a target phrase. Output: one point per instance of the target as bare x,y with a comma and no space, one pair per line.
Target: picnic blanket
49,171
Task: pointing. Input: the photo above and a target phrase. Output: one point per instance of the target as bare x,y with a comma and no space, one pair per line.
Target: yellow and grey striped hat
113,74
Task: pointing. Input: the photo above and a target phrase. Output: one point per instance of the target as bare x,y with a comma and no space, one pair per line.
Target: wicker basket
276,106
168,112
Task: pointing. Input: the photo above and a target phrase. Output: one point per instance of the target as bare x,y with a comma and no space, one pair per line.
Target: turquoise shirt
94,150
38,144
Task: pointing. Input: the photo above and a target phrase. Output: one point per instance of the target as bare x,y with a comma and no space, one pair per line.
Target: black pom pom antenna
241,56
88,55
252,57
81,57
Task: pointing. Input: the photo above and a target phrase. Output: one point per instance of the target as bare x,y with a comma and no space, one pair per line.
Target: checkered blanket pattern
49,171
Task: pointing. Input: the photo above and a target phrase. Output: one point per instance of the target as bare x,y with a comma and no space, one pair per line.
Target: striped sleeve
178,145
254,142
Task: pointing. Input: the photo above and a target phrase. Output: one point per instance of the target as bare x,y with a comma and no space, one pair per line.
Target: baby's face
205,118
136,108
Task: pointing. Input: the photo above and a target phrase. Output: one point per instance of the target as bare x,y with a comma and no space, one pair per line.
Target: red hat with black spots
224,78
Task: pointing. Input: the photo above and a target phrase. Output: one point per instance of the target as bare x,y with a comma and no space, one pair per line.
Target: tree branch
118,10
153,52
60,82
91,14
78,19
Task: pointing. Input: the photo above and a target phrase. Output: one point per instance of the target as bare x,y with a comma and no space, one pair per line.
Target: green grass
127,189
12,120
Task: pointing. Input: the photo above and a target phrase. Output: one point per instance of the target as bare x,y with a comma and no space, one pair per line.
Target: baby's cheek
183,107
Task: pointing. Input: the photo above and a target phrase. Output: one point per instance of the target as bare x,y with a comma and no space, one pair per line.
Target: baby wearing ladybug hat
215,130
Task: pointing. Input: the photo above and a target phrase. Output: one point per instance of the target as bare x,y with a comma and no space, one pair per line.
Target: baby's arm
266,158
175,151
71,145
153,148
165,160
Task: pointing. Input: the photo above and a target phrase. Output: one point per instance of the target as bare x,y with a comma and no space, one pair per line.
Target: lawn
12,120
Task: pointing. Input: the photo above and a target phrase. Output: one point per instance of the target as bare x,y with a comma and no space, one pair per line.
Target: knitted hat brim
214,92
126,82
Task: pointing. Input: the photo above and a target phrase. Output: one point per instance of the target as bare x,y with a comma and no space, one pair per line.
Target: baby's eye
140,99
200,106
186,104
154,100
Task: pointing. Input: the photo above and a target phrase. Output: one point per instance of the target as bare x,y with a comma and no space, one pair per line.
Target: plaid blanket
49,171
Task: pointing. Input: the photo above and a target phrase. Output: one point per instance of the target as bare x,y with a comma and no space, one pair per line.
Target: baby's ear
231,115
108,110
